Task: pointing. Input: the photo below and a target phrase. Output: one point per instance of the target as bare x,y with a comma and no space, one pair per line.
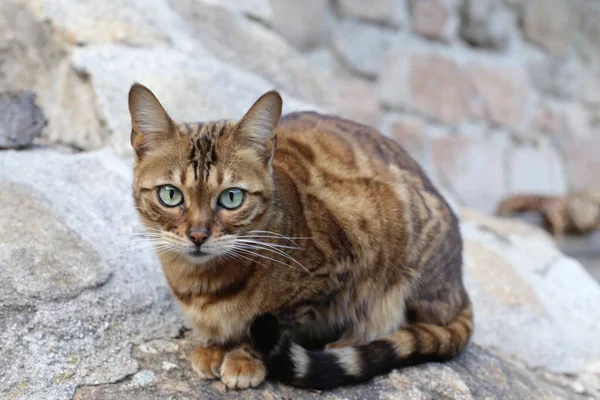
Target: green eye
170,196
231,198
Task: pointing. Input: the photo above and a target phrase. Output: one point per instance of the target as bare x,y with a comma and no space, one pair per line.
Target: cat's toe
207,361
241,370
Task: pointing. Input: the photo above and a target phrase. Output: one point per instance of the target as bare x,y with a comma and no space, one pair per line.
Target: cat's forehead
207,142
211,130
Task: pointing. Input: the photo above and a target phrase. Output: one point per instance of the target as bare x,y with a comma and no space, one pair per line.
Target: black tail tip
265,333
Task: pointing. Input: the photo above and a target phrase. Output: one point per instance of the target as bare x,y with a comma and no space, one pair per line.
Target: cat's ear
256,128
150,123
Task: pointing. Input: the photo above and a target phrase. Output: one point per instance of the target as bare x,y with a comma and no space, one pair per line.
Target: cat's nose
198,236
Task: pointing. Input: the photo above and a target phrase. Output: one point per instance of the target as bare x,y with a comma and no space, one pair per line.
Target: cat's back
338,146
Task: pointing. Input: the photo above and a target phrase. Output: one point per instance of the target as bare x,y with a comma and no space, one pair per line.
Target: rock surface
486,23
360,46
82,307
530,300
74,298
21,120
387,12
477,374
435,19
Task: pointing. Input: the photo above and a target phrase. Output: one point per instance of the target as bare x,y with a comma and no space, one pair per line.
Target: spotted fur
359,269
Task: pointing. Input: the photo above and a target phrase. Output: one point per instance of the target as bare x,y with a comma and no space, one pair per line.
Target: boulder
386,12
251,46
74,296
486,23
21,120
360,46
435,19
302,23
85,312
530,300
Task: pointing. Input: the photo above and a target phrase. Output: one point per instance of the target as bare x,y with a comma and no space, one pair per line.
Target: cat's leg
238,368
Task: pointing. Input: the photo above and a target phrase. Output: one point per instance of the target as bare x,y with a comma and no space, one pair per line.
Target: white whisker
249,250
251,241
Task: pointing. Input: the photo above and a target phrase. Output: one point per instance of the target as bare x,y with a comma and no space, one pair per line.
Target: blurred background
493,98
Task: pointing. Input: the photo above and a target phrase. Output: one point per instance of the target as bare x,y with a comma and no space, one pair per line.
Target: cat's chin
198,257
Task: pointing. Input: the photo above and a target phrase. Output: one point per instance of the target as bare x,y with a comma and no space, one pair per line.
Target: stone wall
491,96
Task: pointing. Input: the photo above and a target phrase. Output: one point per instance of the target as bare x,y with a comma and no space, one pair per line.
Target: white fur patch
300,360
348,359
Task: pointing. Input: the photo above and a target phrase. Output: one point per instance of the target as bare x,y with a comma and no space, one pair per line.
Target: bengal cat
310,248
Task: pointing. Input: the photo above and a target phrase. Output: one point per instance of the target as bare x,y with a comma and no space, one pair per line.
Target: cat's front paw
242,369
207,361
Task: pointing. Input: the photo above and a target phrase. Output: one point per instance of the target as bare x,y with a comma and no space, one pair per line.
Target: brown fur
577,213
379,253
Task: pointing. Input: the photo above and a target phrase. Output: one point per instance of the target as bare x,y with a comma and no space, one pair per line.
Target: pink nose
198,236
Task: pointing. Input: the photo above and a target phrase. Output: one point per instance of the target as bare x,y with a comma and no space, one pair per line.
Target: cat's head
200,187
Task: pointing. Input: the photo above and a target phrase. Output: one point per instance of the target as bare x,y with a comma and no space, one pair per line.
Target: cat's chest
218,323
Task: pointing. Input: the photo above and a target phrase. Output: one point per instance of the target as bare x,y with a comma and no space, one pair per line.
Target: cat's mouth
197,253
197,256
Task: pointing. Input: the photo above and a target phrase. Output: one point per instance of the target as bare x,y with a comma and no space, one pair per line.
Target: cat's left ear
256,128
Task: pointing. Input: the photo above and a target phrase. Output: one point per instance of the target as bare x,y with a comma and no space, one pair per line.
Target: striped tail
413,344
524,203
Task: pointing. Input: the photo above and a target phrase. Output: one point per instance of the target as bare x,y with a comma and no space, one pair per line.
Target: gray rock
41,257
359,46
257,9
386,12
460,161
435,19
302,23
135,22
75,296
530,300
21,120
550,24
536,169
250,46
477,374
558,77
486,23
588,35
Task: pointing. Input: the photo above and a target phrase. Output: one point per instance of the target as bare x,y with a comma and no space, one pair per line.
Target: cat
308,248
576,213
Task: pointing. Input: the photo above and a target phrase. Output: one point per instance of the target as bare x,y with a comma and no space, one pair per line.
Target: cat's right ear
150,123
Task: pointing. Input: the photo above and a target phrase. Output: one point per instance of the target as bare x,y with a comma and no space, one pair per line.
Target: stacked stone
491,96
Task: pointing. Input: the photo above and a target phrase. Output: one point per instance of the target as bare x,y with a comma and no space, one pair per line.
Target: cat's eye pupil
231,196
